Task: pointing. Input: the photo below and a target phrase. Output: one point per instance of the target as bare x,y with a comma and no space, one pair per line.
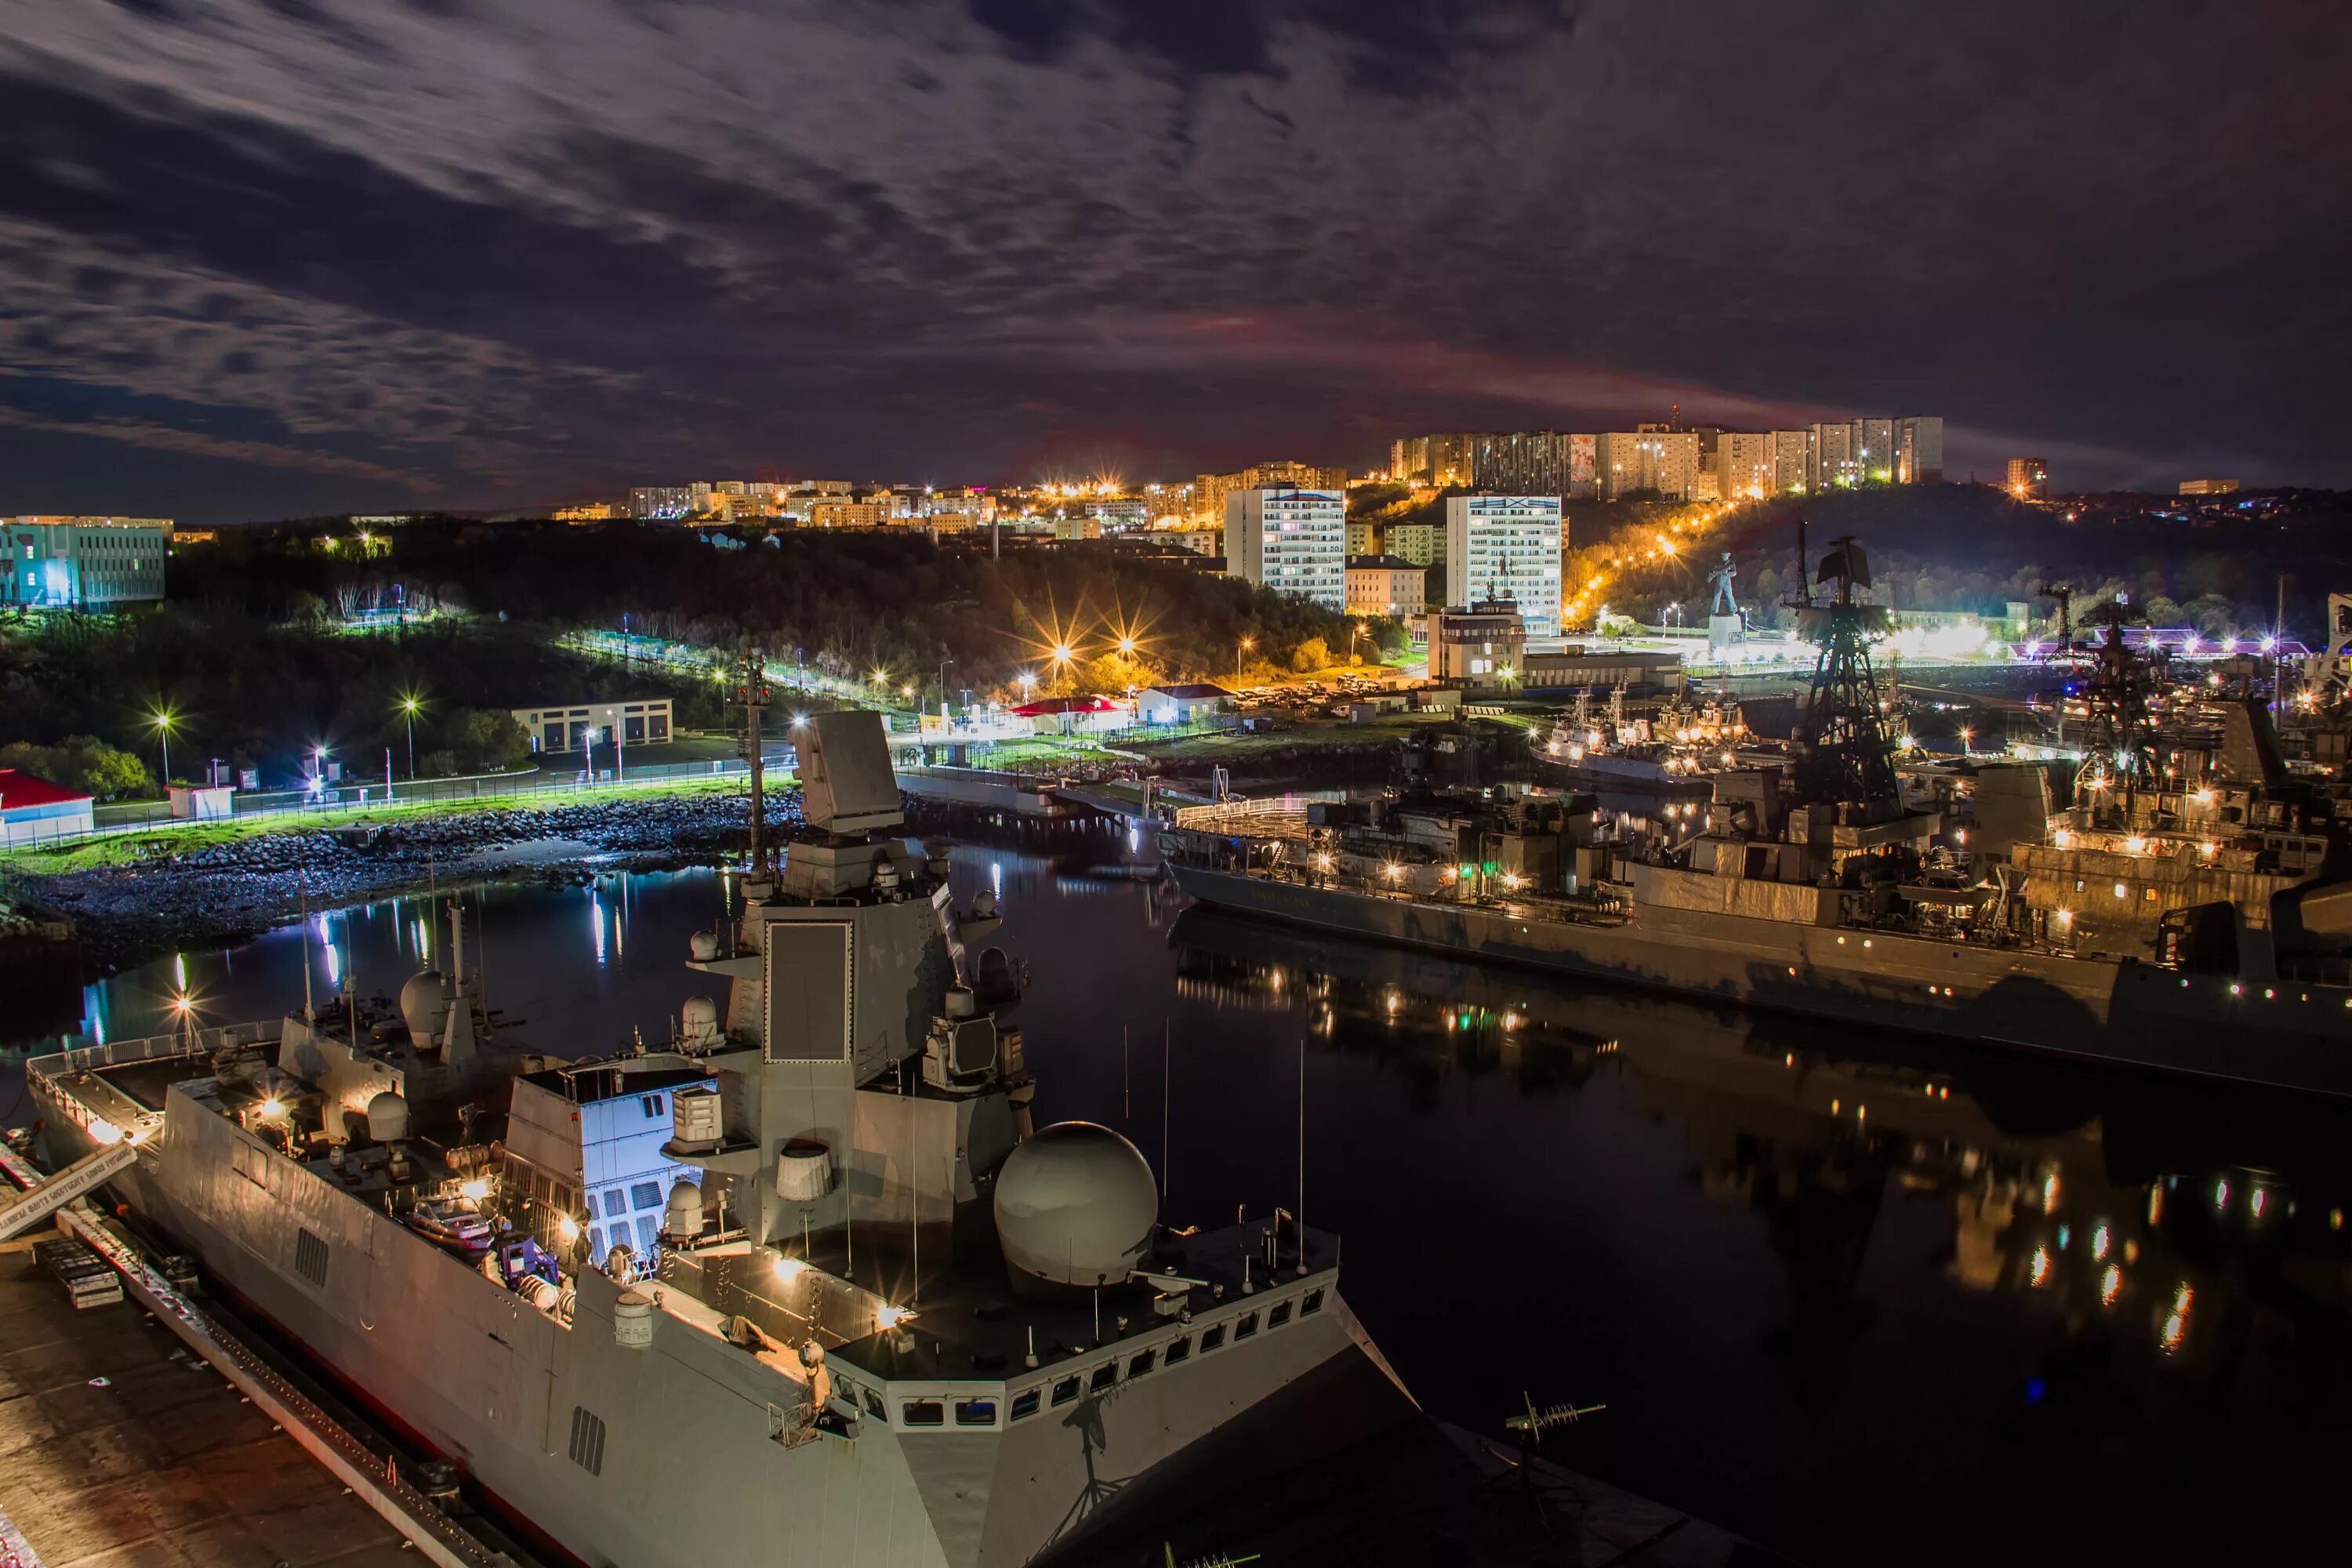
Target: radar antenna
1843,753
1535,1423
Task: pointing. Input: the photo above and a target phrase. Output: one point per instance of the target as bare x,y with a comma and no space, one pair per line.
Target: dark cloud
525,252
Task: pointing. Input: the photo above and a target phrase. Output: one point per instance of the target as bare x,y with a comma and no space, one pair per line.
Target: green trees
79,761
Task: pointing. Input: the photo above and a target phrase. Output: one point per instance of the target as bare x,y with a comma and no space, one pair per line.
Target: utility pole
752,692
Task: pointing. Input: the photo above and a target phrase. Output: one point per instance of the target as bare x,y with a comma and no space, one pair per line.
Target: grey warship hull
668,1454
2120,1011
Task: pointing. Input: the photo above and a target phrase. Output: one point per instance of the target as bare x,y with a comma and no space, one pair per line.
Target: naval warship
803,1286
2195,923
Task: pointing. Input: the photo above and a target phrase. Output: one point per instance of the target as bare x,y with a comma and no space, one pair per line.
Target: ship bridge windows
1105,1376
1139,1363
1024,1405
1244,1326
1065,1391
874,1406
1312,1304
1212,1339
923,1413
975,1412
1278,1315
1178,1349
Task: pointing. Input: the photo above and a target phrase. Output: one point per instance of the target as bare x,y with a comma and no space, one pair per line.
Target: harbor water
1861,1298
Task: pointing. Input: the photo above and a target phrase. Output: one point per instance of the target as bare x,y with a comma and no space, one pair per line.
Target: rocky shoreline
227,894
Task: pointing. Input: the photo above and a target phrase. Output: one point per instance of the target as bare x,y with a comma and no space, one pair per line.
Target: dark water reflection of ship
2145,1220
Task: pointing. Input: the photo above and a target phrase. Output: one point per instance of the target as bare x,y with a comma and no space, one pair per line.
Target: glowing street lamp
408,707
1241,658
164,719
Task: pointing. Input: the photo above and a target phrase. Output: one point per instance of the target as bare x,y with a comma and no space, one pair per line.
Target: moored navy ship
802,1286
2192,921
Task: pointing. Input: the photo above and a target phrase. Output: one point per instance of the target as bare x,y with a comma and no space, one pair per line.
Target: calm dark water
1862,1299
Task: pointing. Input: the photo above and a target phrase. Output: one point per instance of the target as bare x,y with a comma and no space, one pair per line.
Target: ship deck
972,1323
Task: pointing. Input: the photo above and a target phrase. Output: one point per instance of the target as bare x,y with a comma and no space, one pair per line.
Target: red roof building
33,809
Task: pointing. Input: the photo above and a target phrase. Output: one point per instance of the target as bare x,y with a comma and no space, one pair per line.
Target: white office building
1294,541
82,562
1505,547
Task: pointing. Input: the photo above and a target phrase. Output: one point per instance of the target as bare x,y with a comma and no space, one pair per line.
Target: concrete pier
119,1447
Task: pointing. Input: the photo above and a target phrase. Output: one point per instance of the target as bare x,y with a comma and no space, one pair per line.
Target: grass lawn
179,838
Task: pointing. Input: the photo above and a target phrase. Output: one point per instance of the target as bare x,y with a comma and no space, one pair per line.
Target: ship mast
752,694
1845,754
2115,750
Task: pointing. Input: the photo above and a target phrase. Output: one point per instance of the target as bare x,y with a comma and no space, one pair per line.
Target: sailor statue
1725,626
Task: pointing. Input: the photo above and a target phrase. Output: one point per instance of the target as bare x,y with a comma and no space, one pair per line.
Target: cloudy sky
271,257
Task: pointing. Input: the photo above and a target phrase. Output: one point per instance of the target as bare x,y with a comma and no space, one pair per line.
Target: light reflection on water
1865,1300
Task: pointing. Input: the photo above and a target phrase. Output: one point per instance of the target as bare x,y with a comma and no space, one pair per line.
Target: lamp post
163,721
408,711
943,689
1240,656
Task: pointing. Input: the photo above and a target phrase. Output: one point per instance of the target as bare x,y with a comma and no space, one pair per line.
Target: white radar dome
1076,1204
698,1019
425,1005
387,1118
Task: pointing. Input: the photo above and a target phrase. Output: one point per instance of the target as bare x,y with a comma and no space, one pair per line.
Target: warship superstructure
2199,923
803,1286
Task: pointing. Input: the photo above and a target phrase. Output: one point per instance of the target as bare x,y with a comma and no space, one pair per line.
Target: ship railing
154,1048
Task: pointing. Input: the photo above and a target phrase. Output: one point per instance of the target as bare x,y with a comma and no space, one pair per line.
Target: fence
535,786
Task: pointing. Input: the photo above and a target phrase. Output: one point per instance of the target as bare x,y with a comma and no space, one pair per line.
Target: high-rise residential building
1744,465
1407,455
1520,462
1413,542
1658,462
82,562
1210,490
1919,450
1829,462
1873,450
1583,483
1791,458
1363,538
1451,459
1294,541
2029,478
1384,586
661,503
1507,547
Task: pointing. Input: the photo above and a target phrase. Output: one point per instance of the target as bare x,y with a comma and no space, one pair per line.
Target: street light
1240,658
408,706
164,719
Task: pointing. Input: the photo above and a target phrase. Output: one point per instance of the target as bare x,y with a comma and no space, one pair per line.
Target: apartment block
1294,541
1506,547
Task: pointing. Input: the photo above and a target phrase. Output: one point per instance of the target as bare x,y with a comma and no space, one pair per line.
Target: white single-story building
567,728
1180,704
34,810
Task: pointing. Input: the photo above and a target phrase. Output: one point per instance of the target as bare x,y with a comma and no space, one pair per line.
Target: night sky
271,257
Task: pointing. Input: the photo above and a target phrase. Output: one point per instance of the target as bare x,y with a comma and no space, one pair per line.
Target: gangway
20,1211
